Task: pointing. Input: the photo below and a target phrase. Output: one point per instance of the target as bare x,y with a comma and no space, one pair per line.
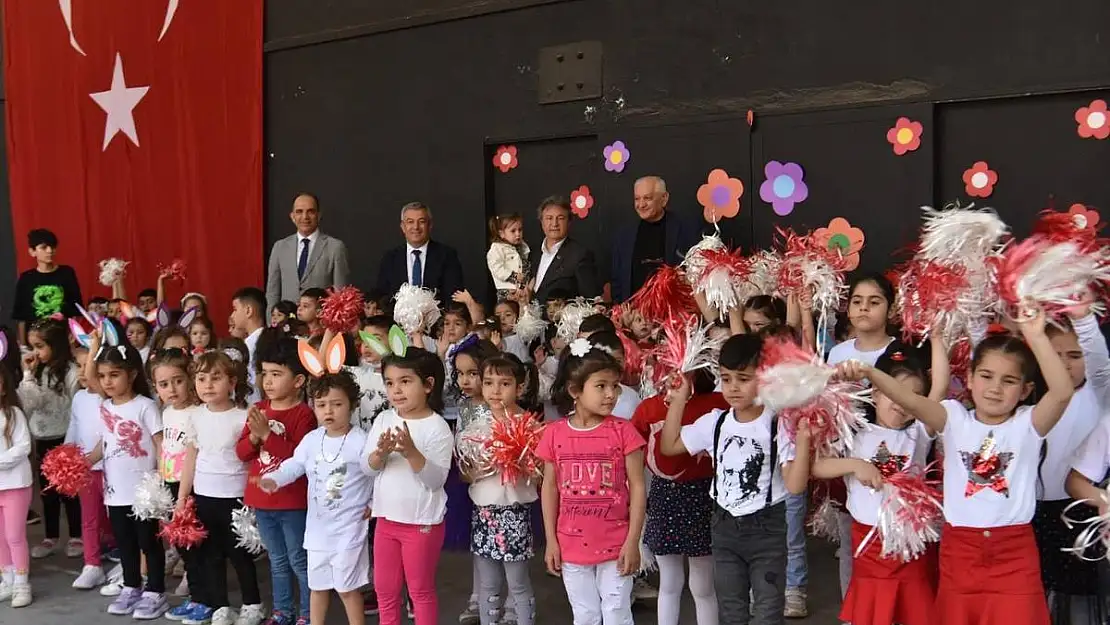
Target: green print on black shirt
47,300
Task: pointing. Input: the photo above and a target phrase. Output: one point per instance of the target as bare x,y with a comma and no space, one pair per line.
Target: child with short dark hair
309,307
98,306
47,289
282,311
148,300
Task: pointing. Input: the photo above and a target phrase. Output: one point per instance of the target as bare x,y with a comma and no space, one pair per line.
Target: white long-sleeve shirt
85,426
15,463
48,410
405,496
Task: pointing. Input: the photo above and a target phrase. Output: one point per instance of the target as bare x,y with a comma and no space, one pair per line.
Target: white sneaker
182,589
250,615
75,548
224,616
5,590
90,577
114,586
21,595
45,549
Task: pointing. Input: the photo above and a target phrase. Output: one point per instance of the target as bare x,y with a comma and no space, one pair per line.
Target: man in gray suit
306,259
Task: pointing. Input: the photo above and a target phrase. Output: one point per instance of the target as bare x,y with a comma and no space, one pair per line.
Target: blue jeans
283,535
797,568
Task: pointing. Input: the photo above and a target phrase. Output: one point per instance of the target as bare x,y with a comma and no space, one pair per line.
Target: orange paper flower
843,238
1093,121
905,136
581,201
979,181
505,159
720,196
1084,218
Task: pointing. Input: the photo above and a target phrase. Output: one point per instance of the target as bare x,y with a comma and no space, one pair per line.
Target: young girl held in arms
508,254
15,492
409,450
593,489
131,441
885,591
339,486
989,567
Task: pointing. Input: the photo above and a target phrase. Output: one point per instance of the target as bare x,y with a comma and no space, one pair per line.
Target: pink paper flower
505,159
581,201
905,136
980,179
1093,121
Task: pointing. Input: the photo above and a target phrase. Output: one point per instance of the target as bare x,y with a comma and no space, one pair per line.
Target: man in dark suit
420,261
660,237
563,264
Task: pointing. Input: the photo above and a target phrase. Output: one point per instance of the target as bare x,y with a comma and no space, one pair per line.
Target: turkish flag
135,132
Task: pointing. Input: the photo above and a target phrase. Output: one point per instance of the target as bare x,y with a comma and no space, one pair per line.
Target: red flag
135,131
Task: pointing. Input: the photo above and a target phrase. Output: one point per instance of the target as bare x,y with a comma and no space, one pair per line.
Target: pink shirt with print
593,486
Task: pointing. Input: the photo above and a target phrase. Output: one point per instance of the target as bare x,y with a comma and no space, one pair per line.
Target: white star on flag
119,102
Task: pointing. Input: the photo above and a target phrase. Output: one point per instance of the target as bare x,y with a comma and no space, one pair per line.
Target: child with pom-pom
275,426
340,487
755,466
15,491
990,473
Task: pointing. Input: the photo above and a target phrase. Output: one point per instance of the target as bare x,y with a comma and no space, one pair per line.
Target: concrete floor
56,603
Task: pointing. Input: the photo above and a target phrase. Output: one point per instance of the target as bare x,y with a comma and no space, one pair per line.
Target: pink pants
406,555
95,528
14,504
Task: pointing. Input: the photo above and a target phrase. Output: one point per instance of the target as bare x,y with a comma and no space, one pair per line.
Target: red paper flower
720,196
505,159
1093,120
905,136
979,181
581,201
1084,218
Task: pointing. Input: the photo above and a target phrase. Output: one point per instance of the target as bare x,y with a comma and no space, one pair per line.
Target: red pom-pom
927,291
341,310
184,530
66,469
176,270
1060,227
665,295
1054,276
512,446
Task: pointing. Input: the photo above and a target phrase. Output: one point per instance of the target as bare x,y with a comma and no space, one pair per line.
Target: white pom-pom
111,270
763,274
153,499
245,526
960,235
825,522
531,325
416,309
693,265
570,319
470,442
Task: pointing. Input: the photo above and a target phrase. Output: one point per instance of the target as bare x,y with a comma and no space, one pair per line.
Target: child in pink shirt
593,489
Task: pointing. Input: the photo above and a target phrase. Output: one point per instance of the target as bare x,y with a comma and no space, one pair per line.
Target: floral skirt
502,533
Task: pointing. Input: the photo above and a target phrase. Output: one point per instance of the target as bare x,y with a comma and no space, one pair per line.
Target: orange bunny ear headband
331,361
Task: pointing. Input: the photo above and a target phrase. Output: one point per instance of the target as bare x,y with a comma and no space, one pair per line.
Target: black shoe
33,518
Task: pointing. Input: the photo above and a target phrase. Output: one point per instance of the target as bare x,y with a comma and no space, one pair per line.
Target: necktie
302,262
417,269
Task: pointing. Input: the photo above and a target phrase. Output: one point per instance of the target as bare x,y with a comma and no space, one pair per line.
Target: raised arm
1055,401
670,439
940,369
1096,357
928,411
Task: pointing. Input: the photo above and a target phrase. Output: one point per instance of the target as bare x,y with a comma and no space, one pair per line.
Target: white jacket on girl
47,409
15,463
503,261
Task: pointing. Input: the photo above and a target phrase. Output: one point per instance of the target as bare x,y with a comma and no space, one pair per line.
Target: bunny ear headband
109,339
398,342
330,362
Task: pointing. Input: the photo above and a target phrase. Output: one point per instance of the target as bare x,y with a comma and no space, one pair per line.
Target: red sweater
298,421
654,410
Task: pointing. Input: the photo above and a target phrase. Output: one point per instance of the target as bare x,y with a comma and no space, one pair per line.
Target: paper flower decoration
720,196
784,186
979,181
843,238
581,201
580,347
1093,121
505,159
1084,218
616,155
905,136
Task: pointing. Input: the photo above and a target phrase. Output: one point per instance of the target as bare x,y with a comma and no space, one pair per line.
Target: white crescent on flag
171,10
653,436
66,7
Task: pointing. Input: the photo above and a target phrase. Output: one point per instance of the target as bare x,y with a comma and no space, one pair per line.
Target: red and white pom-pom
929,296
1093,542
244,525
530,325
512,447
825,521
153,499
665,295
789,375
570,318
833,417
1052,276
910,515
811,270
1062,227
415,309
633,358
184,529
472,439
687,347
724,270
763,273
111,270
66,469
693,264
342,310
176,270
960,235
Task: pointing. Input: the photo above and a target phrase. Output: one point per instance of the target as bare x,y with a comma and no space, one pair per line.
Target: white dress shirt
423,249
546,256
312,239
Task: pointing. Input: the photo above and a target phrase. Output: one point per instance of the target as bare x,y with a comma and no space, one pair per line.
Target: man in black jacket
421,261
562,263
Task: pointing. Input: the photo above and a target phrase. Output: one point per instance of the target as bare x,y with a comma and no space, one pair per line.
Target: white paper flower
580,347
277,427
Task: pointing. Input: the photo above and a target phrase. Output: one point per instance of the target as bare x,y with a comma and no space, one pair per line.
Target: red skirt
990,577
884,591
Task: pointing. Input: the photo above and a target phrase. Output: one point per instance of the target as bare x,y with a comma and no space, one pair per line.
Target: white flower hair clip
580,347
233,354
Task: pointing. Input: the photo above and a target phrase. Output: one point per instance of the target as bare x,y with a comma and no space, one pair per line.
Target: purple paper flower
784,186
616,155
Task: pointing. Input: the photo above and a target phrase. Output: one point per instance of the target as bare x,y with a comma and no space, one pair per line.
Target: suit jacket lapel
317,251
555,266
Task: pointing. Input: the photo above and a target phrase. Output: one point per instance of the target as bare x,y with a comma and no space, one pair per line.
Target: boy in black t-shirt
48,288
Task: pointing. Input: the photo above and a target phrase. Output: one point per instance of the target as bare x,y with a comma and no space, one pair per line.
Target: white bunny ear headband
335,354
109,340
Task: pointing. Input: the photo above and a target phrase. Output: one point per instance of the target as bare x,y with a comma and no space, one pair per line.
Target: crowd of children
350,449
